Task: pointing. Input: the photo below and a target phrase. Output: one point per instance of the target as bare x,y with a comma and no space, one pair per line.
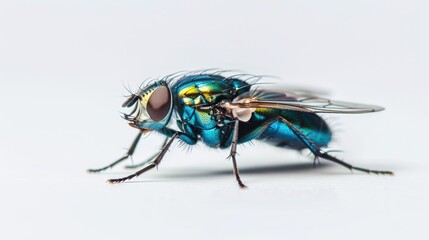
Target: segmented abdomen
279,134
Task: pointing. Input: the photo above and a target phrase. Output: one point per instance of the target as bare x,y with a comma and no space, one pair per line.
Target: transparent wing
299,101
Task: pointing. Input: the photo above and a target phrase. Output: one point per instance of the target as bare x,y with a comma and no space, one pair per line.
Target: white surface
62,66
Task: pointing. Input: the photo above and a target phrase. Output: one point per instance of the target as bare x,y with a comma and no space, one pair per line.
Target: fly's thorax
197,96
152,108
202,93
208,89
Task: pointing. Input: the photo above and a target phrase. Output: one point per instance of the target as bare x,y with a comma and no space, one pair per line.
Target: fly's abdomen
279,134
310,124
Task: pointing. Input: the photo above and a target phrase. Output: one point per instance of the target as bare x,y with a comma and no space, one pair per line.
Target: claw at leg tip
111,181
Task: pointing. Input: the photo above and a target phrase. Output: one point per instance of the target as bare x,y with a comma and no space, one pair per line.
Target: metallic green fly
224,111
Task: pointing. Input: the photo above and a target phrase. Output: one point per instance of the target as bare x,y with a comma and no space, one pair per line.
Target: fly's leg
233,152
349,166
129,153
147,160
318,153
151,164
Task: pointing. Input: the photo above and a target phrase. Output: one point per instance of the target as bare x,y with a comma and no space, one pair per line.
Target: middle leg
233,152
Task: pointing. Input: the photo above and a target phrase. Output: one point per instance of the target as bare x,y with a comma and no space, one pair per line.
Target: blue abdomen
279,134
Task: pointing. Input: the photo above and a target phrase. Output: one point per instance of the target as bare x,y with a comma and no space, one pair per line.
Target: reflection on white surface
62,66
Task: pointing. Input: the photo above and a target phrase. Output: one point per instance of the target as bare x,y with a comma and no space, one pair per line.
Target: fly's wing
299,101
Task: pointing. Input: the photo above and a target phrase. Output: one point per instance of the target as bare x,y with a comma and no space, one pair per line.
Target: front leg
129,153
151,164
189,138
137,165
157,160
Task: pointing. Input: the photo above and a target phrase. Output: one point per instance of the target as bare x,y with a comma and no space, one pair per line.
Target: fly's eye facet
159,103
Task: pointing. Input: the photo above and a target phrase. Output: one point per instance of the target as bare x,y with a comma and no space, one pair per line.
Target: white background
62,70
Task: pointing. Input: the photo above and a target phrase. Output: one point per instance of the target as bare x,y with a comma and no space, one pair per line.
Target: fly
224,111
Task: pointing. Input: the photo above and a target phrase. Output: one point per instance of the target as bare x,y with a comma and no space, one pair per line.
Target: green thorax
191,91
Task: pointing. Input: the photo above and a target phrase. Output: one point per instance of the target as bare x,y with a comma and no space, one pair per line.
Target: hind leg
319,153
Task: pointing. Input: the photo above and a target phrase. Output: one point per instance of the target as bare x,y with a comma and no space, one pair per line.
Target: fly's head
152,107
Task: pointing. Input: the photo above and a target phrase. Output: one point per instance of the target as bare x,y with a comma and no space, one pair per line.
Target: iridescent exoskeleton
224,111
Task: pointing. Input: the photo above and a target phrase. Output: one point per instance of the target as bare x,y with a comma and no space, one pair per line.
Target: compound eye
158,105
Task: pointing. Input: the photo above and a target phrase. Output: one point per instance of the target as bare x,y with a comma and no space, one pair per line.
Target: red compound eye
159,103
